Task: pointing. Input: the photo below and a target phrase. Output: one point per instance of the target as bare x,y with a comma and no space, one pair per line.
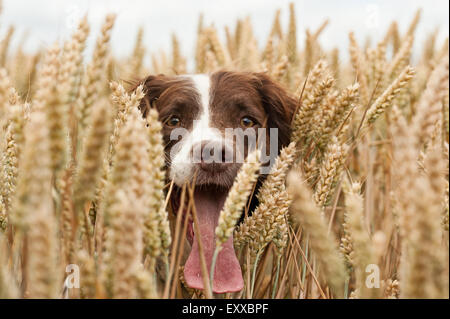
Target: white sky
50,20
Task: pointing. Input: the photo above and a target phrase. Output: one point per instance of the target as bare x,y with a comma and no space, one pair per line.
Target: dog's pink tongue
228,274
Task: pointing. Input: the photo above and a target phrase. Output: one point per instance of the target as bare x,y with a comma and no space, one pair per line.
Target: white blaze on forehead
202,84
182,164
202,129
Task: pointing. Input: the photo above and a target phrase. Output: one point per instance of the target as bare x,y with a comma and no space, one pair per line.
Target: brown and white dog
196,112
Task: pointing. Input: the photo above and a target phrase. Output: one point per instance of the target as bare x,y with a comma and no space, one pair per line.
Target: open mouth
209,200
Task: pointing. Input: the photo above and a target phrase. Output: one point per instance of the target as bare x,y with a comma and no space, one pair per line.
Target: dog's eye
247,121
173,121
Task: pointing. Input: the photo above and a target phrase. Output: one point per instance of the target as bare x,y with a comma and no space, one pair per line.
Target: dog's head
210,124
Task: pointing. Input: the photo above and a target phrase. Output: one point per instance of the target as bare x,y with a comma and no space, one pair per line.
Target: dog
196,112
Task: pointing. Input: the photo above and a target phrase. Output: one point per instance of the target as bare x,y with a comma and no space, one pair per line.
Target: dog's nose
211,156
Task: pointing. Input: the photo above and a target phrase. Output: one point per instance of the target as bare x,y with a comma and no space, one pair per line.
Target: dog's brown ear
279,106
153,85
160,90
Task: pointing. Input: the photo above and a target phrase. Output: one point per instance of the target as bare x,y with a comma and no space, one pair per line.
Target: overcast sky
49,20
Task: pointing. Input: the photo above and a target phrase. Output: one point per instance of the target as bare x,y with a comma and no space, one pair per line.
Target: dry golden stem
8,287
308,216
363,250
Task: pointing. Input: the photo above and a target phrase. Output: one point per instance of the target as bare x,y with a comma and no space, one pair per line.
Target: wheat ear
91,85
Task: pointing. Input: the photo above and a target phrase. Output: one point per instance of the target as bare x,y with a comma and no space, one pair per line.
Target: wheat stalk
308,216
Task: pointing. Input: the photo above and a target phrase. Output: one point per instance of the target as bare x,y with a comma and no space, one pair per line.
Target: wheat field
356,206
